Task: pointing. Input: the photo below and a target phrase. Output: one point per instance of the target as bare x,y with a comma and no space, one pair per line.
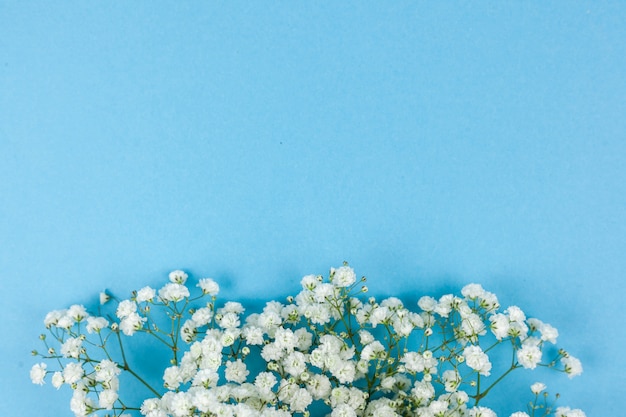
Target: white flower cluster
328,351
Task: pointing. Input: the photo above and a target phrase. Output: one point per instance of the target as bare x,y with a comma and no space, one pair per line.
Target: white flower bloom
344,371
65,322
379,315
300,400
146,294
172,377
202,316
80,404
126,308
451,379
372,351
107,398
343,276
71,348
427,303
107,370
343,410
519,414
303,339
445,304
481,412
499,325
38,373
95,324
438,407
489,301
73,372
473,325
476,359
413,362
104,297
236,371
319,386
232,307
130,324
53,317
318,313
573,367
295,363
181,404
472,291
178,277
568,412
173,292
548,333
57,380
77,312
253,335
537,387
529,356
365,337
515,314
209,286
309,282
150,405
323,292
206,378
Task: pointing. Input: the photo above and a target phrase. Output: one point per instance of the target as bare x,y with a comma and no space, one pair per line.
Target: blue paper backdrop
429,144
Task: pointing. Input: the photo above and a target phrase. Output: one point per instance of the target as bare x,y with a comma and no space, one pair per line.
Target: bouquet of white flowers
328,351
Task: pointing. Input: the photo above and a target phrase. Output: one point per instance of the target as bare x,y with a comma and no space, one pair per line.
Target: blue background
430,144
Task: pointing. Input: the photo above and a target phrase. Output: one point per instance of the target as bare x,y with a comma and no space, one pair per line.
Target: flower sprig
329,350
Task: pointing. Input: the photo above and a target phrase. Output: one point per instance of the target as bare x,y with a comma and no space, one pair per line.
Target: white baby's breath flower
73,372
343,276
107,398
499,325
427,303
537,387
125,308
104,297
178,277
568,412
96,324
202,316
476,359
309,282
38,373
107,370
319,345
573,366
515,314
146,294
209,286
71,348
77,312
300,400
130,324
481,412
173,292
57,380
472,291
529,356
53,317
343,410
236,371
